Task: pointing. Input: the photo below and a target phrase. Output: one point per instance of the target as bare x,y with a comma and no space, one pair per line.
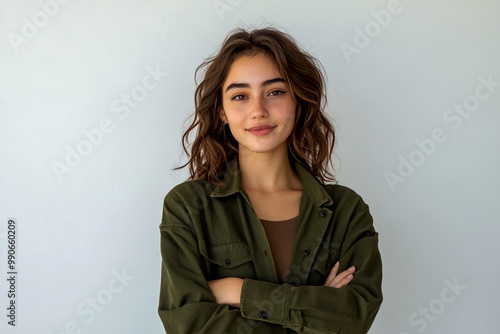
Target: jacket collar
310,186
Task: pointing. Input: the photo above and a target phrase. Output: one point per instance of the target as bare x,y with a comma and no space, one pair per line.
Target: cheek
236,124
235,118
287,114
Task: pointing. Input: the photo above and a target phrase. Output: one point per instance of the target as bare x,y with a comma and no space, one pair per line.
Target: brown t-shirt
281,236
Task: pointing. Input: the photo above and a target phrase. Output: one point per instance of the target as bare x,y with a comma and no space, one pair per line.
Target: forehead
252,69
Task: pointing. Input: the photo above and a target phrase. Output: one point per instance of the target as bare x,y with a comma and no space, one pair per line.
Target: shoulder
189,190
350,210
186,200
345,198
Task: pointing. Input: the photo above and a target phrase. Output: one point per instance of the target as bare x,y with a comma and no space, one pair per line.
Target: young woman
259,240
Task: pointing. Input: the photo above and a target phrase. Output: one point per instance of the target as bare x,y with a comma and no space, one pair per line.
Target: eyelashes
241,97
279,92
238,97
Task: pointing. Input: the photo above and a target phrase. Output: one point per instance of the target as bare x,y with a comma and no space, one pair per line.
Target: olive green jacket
210,232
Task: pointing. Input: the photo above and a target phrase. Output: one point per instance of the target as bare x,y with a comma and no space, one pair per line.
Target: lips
261,130
260,127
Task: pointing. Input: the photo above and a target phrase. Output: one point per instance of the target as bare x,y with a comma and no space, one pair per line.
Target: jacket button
306,251
263,314
228,262
322,213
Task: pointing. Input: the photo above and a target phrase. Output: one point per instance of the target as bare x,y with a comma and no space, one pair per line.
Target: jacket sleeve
186,303
350,309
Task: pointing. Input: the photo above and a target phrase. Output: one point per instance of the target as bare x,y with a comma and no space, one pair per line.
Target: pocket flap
229,255
326,259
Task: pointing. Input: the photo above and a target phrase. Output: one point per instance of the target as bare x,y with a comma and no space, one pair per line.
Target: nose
259,109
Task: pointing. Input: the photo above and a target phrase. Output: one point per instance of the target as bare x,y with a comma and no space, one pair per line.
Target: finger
346,280
332,274
342,276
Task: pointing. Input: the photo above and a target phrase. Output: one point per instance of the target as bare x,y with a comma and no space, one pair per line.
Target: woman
257,241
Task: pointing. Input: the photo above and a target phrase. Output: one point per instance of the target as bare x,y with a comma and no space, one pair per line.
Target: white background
77,229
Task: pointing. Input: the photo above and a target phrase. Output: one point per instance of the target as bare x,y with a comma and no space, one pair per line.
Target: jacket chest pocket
230,260
324,263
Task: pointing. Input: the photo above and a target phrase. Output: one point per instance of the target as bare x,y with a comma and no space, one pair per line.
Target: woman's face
258,105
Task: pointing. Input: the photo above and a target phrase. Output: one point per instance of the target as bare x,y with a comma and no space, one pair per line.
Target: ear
222,115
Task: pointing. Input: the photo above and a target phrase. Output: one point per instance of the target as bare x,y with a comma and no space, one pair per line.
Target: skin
254,94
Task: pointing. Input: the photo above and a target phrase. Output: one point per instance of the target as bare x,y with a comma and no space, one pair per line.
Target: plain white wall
396,86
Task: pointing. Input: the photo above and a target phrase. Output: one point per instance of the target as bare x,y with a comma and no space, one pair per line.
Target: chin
264,149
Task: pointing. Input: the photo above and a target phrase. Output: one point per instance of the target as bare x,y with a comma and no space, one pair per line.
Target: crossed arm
228,290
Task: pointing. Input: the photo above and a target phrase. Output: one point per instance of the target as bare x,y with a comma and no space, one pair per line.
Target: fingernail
349,276
336,264
351,269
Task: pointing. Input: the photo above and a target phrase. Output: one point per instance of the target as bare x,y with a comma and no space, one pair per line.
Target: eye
238,97
276,92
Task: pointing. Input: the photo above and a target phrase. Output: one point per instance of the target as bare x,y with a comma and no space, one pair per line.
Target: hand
336,281
227,290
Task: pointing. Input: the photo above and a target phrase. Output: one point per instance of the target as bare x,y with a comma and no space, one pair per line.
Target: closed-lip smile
261,130
260,127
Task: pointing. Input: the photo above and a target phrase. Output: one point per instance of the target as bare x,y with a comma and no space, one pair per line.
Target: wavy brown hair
313,136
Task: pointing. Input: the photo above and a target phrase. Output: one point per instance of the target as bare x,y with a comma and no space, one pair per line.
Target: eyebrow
245,85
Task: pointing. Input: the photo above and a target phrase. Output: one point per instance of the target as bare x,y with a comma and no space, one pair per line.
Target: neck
268,172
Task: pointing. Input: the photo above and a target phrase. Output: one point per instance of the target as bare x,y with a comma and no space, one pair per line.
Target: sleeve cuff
268,302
